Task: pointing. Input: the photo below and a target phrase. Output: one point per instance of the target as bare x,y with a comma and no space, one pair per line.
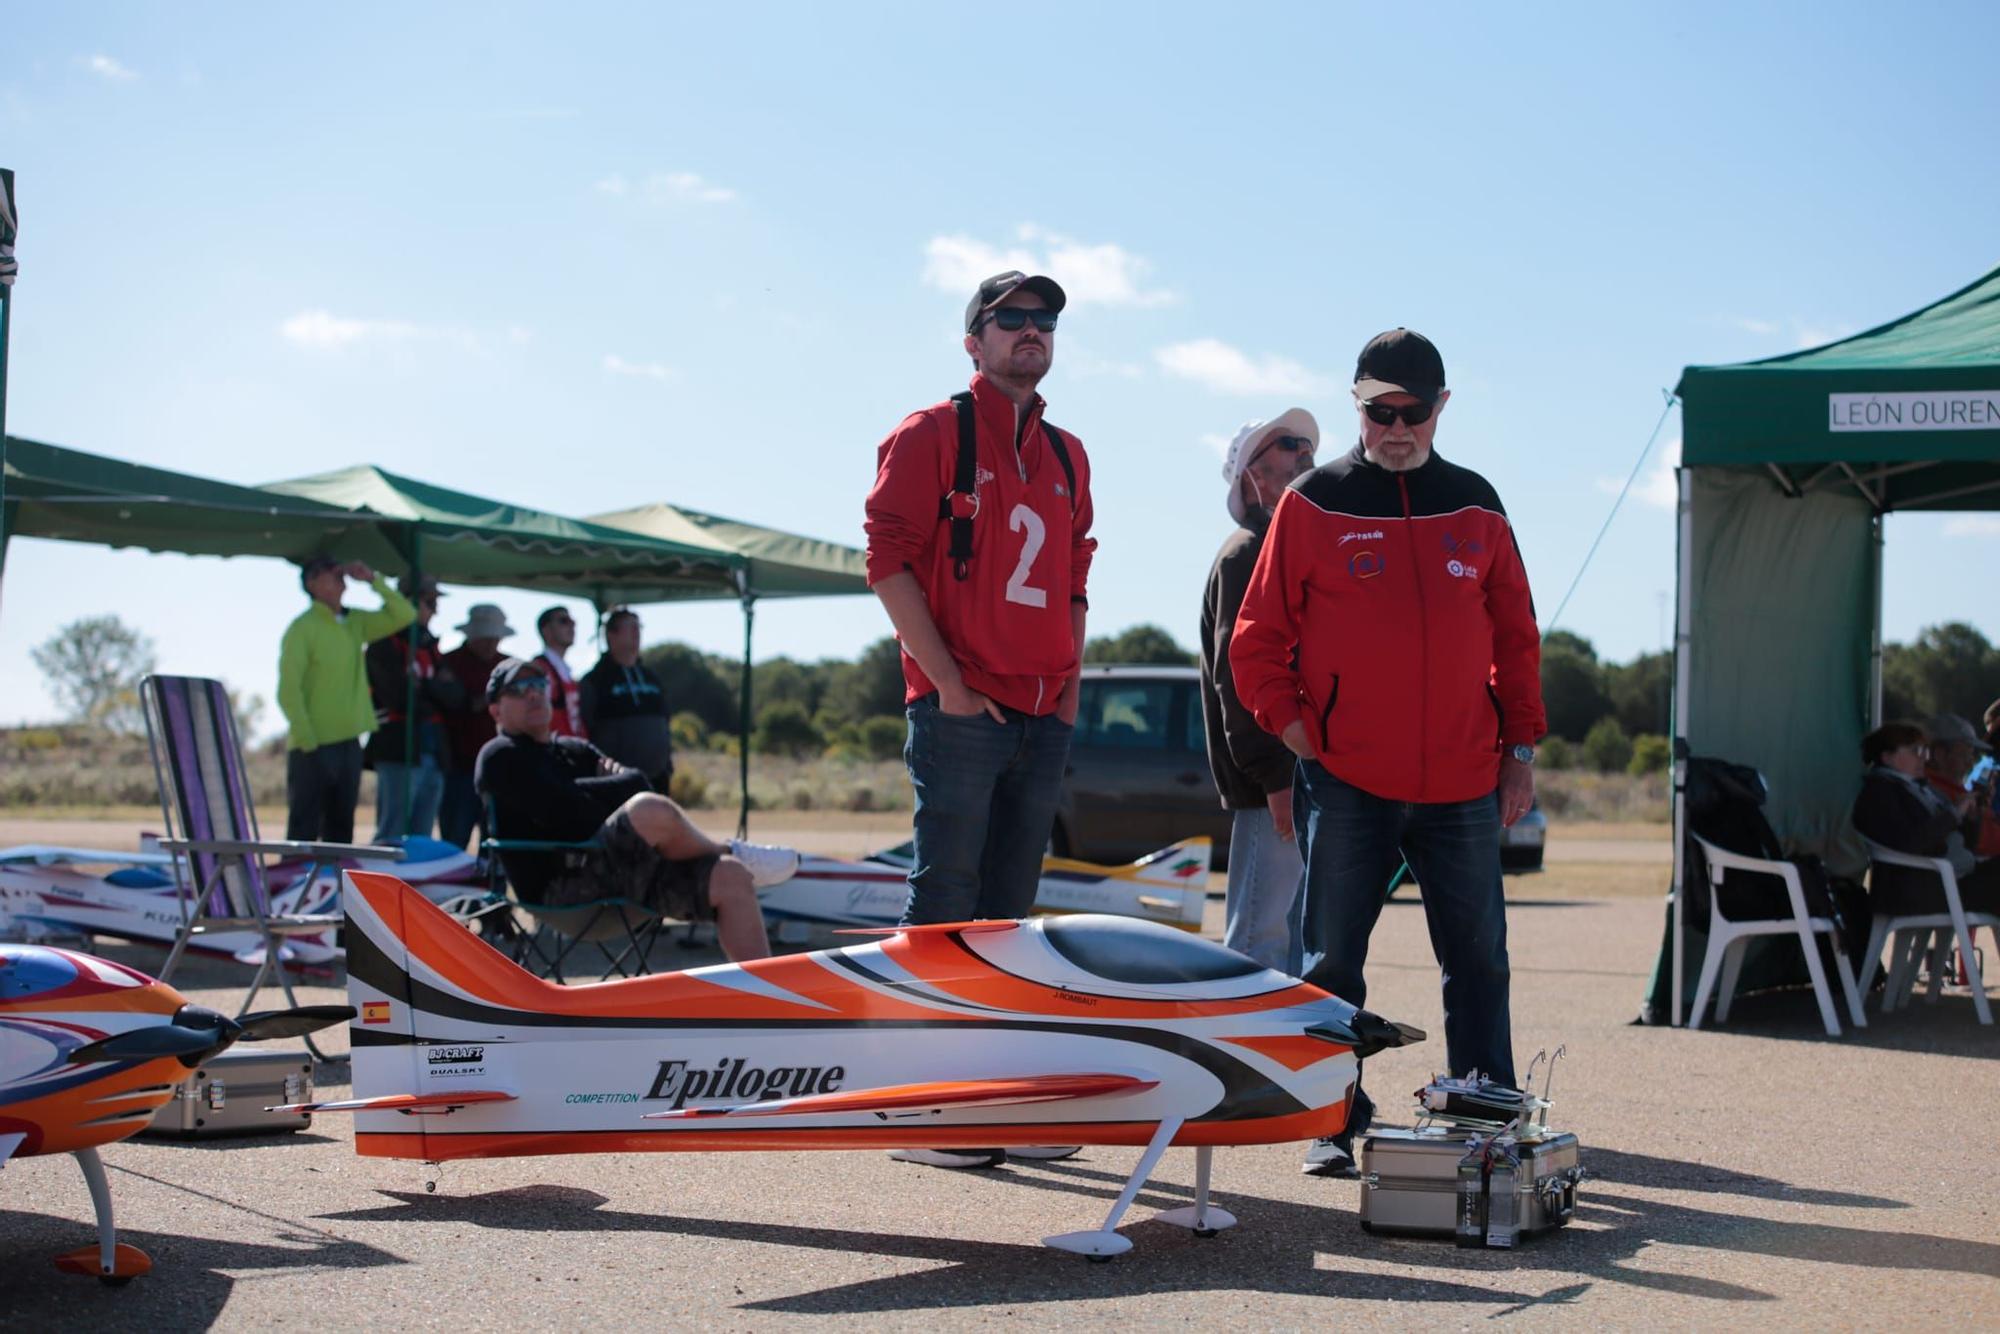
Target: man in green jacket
323,693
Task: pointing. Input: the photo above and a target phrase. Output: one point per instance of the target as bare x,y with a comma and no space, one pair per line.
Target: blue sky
591,255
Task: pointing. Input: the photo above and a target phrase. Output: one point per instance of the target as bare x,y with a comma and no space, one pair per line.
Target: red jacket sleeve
902,511
1517,648
1267,625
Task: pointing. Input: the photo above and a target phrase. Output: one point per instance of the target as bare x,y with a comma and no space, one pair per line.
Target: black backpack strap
1054,437
962,502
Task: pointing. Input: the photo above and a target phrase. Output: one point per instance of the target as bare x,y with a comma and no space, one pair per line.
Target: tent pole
1683,692
410,638
743,710
6,320
1875,636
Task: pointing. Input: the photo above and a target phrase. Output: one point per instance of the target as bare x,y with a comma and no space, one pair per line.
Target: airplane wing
904,1100
932,928
410,1104
9,1143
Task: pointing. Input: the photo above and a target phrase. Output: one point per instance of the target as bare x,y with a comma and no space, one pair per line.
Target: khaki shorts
626,866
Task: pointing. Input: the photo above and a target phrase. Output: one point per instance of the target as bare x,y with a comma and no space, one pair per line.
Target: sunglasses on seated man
1012,318
1287,444
534,684
1413,414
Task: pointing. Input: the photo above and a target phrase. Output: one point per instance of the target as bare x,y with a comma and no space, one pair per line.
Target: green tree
689,731
1572,685
1147,644
785,728
1641,693
870,686
1607,749
882,736
1951,668
693,686
1555,753
1649,755
94,666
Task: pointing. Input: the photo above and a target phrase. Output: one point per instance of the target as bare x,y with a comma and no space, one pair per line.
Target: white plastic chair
1727,939
1908,936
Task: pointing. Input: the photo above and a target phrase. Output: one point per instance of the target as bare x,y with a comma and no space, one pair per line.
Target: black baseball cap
997,288
1401,361
506,672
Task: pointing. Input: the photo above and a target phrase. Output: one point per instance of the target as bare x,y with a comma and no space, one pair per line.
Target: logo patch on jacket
1364,565
1345,538
1458,569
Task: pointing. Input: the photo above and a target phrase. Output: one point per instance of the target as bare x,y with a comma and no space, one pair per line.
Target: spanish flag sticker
374,1012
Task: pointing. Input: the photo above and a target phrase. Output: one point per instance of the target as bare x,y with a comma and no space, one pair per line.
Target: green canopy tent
71,496
775,565
1788,466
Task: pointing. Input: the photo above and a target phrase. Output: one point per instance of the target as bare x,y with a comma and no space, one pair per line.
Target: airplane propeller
198,1033
1369,1033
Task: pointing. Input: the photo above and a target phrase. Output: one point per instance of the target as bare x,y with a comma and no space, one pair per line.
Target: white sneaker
767,864
959,1158
1044,1153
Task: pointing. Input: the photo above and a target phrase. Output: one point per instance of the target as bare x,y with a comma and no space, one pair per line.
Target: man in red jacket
979,547
1388,637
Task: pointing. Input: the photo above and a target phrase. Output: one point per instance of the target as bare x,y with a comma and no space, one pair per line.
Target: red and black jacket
1390,612
1006,619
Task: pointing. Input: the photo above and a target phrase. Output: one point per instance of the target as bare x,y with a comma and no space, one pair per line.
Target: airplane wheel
1205,1231
114,1280
1100,1259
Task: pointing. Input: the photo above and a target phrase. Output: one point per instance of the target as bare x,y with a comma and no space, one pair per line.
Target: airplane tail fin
1183,865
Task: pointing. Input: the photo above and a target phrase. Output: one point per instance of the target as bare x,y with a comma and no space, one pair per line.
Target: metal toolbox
1410,1186
227,1095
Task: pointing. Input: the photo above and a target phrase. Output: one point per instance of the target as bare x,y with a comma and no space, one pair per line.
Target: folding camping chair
1913,935
212,830
599,922
1728,938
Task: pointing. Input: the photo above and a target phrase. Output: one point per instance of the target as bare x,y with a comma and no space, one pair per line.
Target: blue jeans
1353,842
986,802
1264,877
407,790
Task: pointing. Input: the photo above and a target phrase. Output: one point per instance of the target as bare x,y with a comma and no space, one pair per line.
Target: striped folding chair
212,830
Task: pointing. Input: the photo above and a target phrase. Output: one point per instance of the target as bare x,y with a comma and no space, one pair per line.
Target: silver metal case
227,1095
1410,1182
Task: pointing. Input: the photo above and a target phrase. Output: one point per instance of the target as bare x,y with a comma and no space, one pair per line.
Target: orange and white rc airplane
1058,1030
89,1050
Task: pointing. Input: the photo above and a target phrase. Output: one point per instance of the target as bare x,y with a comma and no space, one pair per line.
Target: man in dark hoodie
1252,768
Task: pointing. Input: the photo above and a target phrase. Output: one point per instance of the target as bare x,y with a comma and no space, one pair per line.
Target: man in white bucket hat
469,727
1252,768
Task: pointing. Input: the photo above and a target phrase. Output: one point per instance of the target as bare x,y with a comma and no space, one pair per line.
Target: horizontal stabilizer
933,928
907,1100
410,1104
1368,1033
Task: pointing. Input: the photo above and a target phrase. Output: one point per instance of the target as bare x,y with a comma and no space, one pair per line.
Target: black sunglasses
1290,444
535,684
1413,414
1013,318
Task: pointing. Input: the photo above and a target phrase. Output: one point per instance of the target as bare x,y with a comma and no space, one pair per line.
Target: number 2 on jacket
1019,590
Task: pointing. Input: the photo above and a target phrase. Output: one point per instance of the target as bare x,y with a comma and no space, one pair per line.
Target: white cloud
1104,274
645,370
1657,487
1972,525
1212,363
108,67
322,330
666,187
1801,333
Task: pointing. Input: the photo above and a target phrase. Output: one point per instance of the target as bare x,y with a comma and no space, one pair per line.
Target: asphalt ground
1758,1176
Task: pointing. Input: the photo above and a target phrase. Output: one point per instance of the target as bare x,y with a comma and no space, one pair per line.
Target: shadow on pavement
1948,1028
191,1281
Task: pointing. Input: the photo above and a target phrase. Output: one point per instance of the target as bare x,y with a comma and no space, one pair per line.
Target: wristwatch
1524,754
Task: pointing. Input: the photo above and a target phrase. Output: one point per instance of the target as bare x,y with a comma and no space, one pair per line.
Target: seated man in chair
563,789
